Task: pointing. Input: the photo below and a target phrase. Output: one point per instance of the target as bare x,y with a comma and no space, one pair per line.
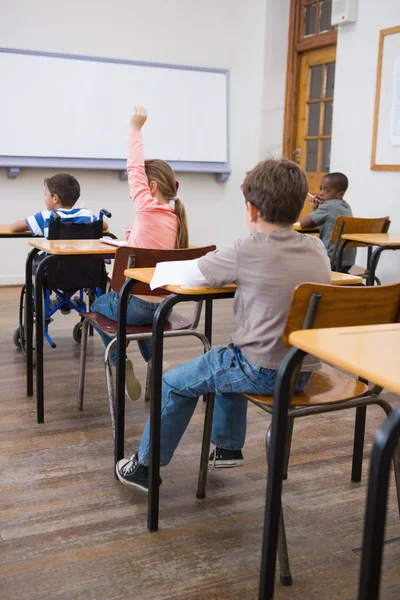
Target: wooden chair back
145,258
340,306
356,225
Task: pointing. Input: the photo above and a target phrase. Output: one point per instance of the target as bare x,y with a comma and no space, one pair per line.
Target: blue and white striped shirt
39,223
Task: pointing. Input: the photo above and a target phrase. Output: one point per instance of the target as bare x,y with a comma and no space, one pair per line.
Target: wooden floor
69,530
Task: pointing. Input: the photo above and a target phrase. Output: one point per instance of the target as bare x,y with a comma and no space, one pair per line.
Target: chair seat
175,322
360,271
327,386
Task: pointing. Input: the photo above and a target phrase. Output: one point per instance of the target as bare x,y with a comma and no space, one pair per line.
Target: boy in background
266,266
61,193
327,206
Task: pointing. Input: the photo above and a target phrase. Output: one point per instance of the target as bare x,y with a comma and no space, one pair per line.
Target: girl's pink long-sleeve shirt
156,225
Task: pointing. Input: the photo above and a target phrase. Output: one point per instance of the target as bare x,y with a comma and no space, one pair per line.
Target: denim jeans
224,371
139,313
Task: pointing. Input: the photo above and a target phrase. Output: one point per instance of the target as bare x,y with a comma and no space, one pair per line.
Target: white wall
275,58
212,33
371,193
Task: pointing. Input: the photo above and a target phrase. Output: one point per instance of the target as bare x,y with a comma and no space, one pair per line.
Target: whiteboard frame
374,166
15,163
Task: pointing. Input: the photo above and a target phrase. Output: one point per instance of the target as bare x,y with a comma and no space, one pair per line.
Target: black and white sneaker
223,458
130,472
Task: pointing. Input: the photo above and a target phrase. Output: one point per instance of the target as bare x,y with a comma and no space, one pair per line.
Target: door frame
296,46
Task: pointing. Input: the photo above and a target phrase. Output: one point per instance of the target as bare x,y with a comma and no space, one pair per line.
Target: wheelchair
67,286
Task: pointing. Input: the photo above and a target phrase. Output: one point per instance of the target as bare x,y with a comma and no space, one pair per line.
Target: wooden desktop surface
146,275
369,351
72,247
374,239
5,230
296,227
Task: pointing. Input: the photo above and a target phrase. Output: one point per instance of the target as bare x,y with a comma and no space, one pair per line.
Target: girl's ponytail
182,235
160,171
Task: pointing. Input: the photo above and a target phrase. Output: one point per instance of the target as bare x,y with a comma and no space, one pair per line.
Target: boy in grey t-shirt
327,206
266,266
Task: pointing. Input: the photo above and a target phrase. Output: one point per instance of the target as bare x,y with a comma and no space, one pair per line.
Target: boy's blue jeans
139,313
224,371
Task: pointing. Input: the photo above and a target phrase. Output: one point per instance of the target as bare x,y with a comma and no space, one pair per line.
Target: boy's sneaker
223,458
133,389
130,472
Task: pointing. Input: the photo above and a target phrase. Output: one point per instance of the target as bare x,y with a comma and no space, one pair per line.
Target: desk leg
276,454
385,443
29,320
39,290
119,441
208,320
375,256
160,317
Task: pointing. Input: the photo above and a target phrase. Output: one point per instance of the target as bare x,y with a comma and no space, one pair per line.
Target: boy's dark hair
66,187
339,181
277,188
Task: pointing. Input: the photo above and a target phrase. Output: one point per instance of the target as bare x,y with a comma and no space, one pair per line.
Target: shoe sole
133,389
226,464
130,483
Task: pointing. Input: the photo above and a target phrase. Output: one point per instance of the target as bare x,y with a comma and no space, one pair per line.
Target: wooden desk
146,275
369,351
383,241
310,230
372,352
374,239
178,294
73,247
67,250
5,232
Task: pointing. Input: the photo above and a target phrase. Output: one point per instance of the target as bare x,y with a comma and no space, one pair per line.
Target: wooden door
315,110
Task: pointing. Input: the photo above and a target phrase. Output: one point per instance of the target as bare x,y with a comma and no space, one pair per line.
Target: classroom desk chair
354,225
329,390
175,326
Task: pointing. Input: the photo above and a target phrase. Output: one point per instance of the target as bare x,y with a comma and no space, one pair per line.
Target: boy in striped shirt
61,193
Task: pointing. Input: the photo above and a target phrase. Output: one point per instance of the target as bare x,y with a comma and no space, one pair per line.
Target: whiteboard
70,107
385,145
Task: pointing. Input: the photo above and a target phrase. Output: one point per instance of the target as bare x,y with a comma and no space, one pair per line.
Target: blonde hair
160,172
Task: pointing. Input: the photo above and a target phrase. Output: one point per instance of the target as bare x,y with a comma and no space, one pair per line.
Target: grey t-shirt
325,217
266,268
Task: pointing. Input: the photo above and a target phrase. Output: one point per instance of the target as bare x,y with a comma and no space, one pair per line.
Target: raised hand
139,117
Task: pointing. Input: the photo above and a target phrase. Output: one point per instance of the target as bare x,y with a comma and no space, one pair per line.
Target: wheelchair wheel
77,332
17,338
20,338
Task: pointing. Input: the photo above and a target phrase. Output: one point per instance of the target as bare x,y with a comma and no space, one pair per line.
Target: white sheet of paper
112,242
395,117
178,272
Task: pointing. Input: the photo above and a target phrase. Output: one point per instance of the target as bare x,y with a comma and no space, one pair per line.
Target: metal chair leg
283,556
82,363
387,407
396,467
205,447
358,446
288,446
148,383
110,383
285,575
